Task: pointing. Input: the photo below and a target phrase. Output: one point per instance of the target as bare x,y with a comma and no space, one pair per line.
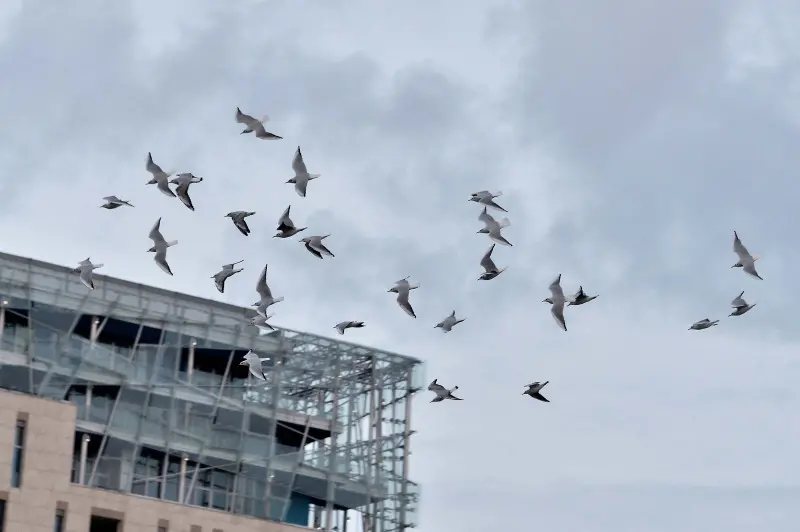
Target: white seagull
238,218
747,262
159,177
558,300
160,246
441,392
449,322
85,268
112,202
253,124
286,227
301,175
340,327
402,289
534,390
261,322
315,246
703,324
227,271
484,197
266,298
253,361
740,306
493,228
182,190
491,270
580,297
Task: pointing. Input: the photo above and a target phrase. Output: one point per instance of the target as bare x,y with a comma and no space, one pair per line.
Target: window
162,528
104,524
59,524
19,448
2,515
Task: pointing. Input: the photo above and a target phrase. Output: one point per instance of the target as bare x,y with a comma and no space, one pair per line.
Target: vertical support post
94,330
82,460
331,470
321,451
406,448
87,401
369,521
190,361
182,479
3,305
379,517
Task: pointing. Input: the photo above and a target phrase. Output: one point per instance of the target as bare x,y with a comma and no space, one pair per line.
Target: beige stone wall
46,482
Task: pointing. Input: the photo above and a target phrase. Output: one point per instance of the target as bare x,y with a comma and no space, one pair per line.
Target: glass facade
164,409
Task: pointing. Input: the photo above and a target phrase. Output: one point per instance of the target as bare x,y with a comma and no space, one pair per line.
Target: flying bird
484,197
160,246
580,297
261,322
182,190
534,390
253,124
238,218
286,227
449,322
315,246
340,327
747,262
491,270
493,228
253,362
558,300
402,288
112,202
301,175
227,271
740,306
703,324
266,299
441,392
85,268
159,177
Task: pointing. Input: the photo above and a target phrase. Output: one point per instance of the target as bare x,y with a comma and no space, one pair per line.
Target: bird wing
298,165
487,263
555,288
402,300
738,301
313,251
284,222
301,186
750,268
161,260
487,219
243,118
86,277
739,248
436,388
557,310
152,167
182,191
262,287
155,233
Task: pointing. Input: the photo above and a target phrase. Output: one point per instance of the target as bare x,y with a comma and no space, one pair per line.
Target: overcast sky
630,139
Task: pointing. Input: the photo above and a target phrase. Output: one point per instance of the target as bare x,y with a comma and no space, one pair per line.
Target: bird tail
505,222
277,299
714,322
498,194
314,176
95,266
265,118
172,243
454,388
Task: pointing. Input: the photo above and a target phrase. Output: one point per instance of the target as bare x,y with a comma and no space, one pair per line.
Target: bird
160,246
253,124
747,262
580,297
484,197
442,393
182,190
253,361
301,175
159,176
85,268
402,289
534,390
705,323
449,322
315,246
740,306
266,299
340,327
238,218
261,322
557,299
112,202
286,227
493,227
227,271
491,270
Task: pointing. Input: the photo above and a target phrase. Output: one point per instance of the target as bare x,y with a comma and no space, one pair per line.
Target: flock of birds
314,244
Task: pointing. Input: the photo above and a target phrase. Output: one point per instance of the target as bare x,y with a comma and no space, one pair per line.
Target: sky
630,138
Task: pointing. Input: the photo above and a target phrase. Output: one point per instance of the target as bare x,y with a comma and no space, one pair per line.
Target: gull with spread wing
182,190
261,322
484,197
227,271
286,227
580,297
85,268
160,246
159,177
253,362
238,219
493,228
534,390
557,300
747,262
449,322
402,288
740,306
315,246
491,270
301,175
112,202
253,124
266,298
441,392
340,327
705,323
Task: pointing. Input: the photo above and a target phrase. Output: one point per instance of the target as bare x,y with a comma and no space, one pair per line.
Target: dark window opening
19,452
59,523
2,515
104,524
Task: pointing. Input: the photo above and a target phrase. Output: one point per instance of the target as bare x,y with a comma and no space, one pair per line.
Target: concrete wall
46,482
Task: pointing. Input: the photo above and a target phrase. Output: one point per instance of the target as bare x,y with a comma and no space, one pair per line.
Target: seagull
580,298
315,246
441,392
182,190
493,227
160,246
112,202
484,197
227,271
402,289
159,177
261,322
557,299
703,324
491,268
348,325
746,261
740,306
449,322
238,220
534,390
266,299
301,175
85,268
286,227
253,361
253,124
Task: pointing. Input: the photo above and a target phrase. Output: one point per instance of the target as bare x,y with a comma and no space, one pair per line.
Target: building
128,404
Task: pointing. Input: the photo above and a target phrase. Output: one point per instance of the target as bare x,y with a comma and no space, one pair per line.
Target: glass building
164,410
